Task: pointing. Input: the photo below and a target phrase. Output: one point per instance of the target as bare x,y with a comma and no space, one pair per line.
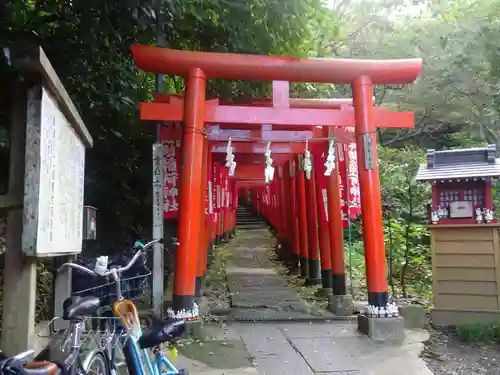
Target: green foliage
455,97
404,210
479,333
406,237
88,43
496,196
355,267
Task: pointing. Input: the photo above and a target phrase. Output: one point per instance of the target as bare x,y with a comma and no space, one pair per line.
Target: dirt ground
446,355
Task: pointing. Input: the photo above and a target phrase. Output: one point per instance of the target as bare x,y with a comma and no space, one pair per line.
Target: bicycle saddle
78,307
12,366
160,331
41,368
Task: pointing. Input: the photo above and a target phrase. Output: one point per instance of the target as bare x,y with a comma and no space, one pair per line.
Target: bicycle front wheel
98,365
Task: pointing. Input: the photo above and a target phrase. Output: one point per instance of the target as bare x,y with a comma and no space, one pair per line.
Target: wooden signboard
54,180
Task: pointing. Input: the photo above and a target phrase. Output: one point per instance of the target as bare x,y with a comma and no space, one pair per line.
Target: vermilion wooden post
190,196
285,211
229,204
262,203
312,231
203,247
269,207
232,184
210,203
293,217
336,231
302,219
226,204
258,203
220,216
235,205
225,201
264,200
215,179
276,207
220,228
323,233
371,208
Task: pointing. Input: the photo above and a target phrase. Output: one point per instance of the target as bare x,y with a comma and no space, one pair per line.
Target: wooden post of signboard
45,198
18,323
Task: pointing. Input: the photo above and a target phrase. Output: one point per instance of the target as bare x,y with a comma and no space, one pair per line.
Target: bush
479,332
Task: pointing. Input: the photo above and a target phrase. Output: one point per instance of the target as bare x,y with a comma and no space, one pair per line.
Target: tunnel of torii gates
292,202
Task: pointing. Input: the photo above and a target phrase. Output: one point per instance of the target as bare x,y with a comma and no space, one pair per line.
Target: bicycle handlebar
142,249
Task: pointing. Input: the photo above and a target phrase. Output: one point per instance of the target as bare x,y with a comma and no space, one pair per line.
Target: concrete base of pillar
389,331
226,237
414,315
194,328
341,305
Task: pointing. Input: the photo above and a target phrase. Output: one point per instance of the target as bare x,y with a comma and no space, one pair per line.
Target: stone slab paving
329,348
245,261
316,330
302,349
247,270
257,292
273,353
325,355
241,281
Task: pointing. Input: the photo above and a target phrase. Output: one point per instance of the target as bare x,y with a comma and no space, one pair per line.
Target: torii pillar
300,182
371,205
312,230
190,198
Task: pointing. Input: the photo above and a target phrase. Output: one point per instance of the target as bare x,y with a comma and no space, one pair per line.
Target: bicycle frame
138,358
141,360
73,363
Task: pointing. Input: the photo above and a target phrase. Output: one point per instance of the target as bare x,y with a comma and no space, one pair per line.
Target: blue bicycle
142,350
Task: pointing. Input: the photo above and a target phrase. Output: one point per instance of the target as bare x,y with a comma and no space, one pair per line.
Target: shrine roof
463,163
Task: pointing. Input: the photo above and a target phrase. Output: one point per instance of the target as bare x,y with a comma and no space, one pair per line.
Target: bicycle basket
133,282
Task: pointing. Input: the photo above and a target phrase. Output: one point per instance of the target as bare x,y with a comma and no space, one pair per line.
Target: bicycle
137,343
132,283
76,310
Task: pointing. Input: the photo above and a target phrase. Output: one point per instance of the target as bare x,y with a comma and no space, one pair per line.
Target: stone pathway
329,349
304,349
258,292
293,338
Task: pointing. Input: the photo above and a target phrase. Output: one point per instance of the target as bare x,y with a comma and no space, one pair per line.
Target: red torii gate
197,67
282,152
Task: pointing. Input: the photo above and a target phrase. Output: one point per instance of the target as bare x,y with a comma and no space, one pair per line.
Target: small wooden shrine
462,182
465,235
